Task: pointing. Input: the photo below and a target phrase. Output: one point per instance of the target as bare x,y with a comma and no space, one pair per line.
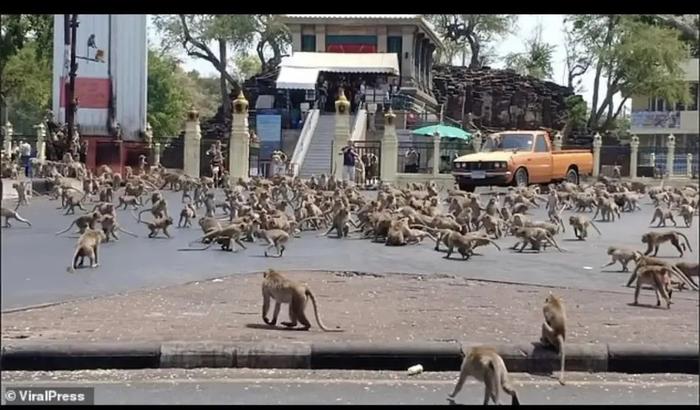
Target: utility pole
70,111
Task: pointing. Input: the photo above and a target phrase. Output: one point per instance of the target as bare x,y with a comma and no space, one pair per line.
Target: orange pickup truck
520,158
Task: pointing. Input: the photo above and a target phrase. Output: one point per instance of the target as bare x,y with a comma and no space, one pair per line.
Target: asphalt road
34,260
248,386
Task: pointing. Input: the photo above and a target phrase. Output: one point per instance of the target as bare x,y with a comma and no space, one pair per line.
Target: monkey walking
110,226
622,255
675,270
8,214
158,225
485,365
283,290
187,214
662,215
659,278
83,222
276,238
580,224
88,246
655,239
554,328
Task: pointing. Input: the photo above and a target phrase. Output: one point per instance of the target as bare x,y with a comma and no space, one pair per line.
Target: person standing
349,160
412,161
25,151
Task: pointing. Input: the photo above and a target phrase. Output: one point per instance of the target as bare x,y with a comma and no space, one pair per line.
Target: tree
203,92
26,87
536,61
168,99
634,57
246,66
476,30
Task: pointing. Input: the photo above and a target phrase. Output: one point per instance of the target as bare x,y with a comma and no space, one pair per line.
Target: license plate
478,174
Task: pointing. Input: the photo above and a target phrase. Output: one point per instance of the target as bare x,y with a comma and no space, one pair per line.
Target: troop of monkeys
277,209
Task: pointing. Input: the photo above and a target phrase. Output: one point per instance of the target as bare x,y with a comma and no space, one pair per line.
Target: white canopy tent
300,71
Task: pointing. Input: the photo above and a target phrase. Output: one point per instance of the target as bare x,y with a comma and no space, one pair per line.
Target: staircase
318,157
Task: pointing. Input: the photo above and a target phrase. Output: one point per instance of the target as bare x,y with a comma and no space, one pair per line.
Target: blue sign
269,127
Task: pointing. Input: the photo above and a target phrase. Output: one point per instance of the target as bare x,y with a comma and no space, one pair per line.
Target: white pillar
156,153
193,136
342,133
689,165
477,141
390,148
634,155
7,140
436,154
239,145
558,141
670,146
597,143
40,142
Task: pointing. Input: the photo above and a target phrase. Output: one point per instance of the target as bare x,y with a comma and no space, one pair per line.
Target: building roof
300,70
418,18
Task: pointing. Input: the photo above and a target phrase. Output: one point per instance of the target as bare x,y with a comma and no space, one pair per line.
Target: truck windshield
507,142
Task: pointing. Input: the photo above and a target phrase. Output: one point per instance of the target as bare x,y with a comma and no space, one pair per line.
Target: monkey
21,194
655,239
132,200
492,224
649,260
106,194
549,227
341,223
464,243
83,222
157,225
208,224
159,209
659,278
488,367
608,209
10,214
226,236
689,269
188,213
554,328
110,226
283,290
687,211
580,224
105,208
72,200
88,246
276,238
534,236
622,255
662,215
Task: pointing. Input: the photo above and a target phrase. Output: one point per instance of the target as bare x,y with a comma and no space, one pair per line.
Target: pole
70,113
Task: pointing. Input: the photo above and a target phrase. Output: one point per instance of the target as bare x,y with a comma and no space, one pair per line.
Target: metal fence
370,152
680,161
425,157
450,150
173,154
615,155
205,159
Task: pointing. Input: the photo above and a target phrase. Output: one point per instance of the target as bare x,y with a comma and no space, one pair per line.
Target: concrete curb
530,358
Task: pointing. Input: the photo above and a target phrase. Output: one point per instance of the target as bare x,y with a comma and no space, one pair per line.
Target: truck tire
572,176
520,178
467,188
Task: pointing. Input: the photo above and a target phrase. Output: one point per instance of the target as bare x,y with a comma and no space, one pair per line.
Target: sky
552,32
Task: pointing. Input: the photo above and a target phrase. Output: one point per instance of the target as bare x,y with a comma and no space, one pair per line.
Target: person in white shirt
25,152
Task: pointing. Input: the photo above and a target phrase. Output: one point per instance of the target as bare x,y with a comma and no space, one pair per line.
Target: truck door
540,161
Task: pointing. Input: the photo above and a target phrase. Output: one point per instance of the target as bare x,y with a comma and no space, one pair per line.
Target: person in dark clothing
349,160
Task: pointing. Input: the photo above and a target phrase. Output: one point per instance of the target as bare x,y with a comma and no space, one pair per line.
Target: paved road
247,386
39,276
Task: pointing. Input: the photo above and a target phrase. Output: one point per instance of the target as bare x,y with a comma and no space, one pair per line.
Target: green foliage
536,61
577,110
203,92
168,99
246,66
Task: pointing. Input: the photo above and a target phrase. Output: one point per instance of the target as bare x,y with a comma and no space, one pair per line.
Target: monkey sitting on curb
488,367
282,290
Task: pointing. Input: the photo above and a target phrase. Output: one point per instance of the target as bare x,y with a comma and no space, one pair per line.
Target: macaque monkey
83,222
580,224
132,200
208,224
283,290
159,209
689,269
687,211
188,213
276,238
554,328
649,261
622,255
341,223
655,239
106,194
110,226
88,246
662,215
21,194
8,214
488,367
536,237
157,225
659,278
74,199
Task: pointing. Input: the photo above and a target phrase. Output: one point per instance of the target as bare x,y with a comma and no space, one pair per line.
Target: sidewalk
392,308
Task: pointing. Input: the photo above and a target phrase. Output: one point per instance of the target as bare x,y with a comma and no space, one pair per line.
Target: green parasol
445,131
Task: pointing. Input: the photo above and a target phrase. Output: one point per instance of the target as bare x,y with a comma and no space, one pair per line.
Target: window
310,95
541,144
308,42
694,97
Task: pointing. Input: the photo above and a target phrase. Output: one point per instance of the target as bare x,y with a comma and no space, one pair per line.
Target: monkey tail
495,244
683,277
310,295
595,227
120,229
562,353
686,240
67,229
